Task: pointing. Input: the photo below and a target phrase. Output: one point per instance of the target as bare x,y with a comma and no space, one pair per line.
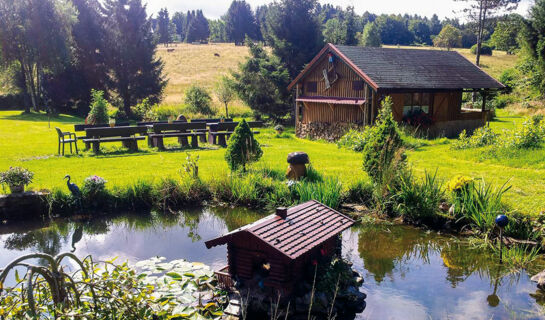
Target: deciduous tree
370,36
449,37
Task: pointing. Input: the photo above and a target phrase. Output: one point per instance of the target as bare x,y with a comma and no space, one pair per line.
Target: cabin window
312,86
416,102
357,85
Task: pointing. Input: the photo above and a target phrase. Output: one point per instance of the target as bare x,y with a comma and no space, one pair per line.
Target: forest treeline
54,52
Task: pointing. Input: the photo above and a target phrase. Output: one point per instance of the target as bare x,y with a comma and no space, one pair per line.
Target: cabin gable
348,84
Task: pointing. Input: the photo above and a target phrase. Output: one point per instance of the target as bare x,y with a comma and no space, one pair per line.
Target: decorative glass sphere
502,221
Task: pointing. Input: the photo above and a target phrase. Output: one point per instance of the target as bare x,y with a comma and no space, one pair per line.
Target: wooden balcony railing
224,278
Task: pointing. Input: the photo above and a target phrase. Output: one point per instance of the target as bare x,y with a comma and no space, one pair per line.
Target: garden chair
64,138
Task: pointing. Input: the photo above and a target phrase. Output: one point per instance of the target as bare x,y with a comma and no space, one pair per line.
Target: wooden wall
321,112
446,105
341,88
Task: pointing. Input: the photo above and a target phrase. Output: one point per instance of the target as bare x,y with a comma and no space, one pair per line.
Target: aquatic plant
159,290
478,204
517,256
418,201
328,192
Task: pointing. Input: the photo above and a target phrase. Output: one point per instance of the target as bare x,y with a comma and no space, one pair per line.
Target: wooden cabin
277,251
342,88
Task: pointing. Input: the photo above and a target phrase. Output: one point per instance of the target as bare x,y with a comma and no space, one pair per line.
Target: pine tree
242,147
130,54
261,83
240,22
294,32
163,26
350,27
198,28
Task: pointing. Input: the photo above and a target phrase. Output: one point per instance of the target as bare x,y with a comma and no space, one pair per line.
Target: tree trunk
25,88
226,111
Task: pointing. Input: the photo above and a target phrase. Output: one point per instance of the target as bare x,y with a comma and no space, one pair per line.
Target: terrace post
296,107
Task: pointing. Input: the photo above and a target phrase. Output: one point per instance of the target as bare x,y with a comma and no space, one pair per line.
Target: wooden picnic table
182,131
219,133
82,127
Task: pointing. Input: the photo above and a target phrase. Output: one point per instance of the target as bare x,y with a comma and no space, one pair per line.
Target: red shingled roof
306,226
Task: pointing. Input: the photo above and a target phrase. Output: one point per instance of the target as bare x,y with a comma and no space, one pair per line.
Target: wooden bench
82,127
125,135
177,130
151,123
223,130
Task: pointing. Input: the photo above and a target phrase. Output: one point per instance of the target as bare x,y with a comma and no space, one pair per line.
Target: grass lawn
29,142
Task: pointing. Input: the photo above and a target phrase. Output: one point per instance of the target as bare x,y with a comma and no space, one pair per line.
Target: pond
409,273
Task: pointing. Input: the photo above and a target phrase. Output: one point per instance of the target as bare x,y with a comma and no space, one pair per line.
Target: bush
418,201
99,108
481,137
485,49
501,101
509,78
529,136
243,148
198,101
354,139
383,146
143,110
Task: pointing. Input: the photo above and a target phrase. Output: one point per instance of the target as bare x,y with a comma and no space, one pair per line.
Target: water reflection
409,274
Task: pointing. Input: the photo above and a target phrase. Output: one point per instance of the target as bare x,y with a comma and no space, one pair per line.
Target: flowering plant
94,184
458,183
16,176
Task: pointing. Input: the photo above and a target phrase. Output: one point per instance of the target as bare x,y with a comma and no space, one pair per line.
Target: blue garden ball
502,221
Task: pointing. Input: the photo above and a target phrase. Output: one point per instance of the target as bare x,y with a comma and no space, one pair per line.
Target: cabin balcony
224,278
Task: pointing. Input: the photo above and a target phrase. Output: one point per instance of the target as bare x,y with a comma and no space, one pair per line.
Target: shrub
383,146
99,108
359,192
485,49
354,139
481,137
198,101
529,136
509,78
501,101
418,201
143,110
243,148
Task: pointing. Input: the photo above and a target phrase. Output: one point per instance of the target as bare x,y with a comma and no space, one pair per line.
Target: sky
214,9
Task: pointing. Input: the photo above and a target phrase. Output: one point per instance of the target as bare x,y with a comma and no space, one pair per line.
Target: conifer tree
242,148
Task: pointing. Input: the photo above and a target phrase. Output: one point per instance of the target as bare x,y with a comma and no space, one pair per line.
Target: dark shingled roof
392,68
306,226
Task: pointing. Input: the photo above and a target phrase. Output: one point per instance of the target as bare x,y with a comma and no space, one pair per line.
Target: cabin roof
305,227
419,69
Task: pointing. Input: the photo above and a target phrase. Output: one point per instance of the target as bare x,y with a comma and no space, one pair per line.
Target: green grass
28,141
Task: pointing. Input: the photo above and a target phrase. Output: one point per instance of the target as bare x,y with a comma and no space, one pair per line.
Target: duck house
342,88
275,252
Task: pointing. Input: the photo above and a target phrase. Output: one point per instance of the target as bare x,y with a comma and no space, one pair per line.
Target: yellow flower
458,182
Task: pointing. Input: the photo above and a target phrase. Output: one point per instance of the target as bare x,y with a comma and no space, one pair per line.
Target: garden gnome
297,165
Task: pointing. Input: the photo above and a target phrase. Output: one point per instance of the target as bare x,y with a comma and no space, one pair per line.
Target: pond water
409,273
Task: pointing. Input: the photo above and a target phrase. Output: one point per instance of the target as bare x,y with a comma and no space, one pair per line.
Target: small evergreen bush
99,108
243,148
383,148
198,101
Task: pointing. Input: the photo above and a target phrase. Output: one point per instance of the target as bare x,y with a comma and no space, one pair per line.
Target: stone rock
298,158
540,279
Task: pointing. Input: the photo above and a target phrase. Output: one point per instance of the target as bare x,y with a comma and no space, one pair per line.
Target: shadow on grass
43,117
